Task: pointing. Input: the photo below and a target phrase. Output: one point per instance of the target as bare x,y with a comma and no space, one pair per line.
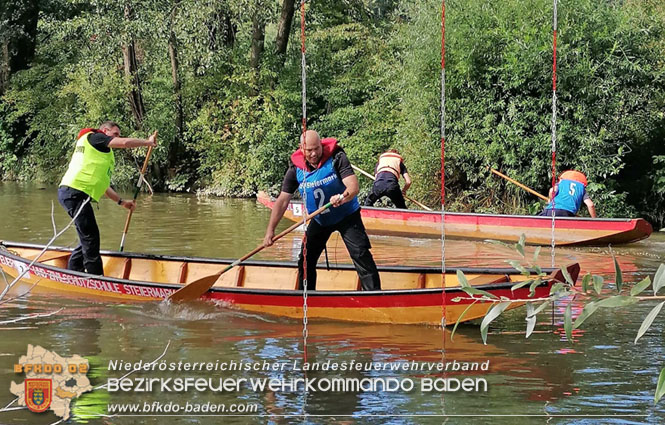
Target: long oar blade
197,288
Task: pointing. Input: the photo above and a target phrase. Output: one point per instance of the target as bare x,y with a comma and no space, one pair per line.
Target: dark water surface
601,377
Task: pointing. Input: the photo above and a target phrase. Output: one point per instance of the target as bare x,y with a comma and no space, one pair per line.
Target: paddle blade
199,287
195,289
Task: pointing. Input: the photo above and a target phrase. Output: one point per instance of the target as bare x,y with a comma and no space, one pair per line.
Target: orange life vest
575,176
390,162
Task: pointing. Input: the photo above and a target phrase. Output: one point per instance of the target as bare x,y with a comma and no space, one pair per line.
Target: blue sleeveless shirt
318,186
569,197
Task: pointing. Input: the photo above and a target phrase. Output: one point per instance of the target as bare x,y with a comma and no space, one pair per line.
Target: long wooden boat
538,230
409,295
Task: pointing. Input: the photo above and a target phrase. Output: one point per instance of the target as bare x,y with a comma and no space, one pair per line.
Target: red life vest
87,130
329,145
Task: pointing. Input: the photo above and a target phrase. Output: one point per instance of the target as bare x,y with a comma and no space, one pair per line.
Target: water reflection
110,332
211,227
600,372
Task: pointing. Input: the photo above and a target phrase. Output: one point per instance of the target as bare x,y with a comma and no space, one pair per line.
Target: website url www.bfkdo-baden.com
173,408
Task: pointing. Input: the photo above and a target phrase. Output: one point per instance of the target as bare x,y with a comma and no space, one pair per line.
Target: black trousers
85,256
557,213
388,188
357,243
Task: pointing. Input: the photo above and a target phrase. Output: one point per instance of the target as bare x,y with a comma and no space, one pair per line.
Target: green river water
600,377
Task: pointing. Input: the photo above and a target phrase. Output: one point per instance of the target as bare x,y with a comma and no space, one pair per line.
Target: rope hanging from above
443,195
554,26
443,161
305,212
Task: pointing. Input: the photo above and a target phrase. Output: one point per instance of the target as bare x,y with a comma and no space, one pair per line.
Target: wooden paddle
365,173
195,289
515,182
136,194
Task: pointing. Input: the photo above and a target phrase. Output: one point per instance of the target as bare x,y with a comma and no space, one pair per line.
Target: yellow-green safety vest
89,170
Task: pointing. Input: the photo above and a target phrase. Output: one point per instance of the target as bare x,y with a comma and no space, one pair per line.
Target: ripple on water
604,372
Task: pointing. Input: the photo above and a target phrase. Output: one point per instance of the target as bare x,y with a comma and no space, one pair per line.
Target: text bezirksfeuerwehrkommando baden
215,385
284,384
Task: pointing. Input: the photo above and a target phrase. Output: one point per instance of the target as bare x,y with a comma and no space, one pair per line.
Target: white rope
554,25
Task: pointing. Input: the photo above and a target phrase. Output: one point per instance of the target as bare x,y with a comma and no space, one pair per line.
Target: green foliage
659,179
659,279
648,320
660,387
8,154
494,312
565,293
373,74
498,73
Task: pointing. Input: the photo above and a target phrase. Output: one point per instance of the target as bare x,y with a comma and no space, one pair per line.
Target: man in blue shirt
323,173
568,195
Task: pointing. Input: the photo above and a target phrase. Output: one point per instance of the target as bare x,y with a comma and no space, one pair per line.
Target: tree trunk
131,71
175,150
4,67
258,39
230,31
221,31
284,29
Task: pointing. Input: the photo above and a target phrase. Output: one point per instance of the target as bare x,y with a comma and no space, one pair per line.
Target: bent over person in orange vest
89,177
568,195
386,183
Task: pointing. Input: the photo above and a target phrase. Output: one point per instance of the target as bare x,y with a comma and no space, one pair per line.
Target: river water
599,377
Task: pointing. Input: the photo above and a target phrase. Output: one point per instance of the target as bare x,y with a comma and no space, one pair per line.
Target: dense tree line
221,81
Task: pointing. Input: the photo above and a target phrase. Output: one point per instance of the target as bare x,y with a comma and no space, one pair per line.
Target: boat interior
263,274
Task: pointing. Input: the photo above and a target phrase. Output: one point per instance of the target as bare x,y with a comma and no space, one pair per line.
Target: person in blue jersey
323,173
567,196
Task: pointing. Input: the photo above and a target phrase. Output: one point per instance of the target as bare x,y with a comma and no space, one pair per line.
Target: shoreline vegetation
221,83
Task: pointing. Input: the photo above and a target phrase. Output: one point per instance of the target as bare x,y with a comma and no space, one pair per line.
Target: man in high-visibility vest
88,178
386,183
568,195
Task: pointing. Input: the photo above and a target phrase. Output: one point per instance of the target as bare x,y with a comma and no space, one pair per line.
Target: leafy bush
373,81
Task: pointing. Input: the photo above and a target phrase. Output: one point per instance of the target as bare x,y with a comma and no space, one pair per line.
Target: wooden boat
410,295
538,230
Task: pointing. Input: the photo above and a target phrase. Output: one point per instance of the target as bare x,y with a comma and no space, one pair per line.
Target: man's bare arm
278,210
407,182
352,189
591,207
130,142
125,203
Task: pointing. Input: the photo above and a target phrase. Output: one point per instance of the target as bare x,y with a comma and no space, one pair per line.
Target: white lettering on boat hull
88,283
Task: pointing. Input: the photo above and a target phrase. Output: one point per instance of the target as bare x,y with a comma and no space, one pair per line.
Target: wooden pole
515,182
136,194
195,289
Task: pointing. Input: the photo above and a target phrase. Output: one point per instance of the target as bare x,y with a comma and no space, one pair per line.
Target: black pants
85,256
357,243
547,212
388,188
